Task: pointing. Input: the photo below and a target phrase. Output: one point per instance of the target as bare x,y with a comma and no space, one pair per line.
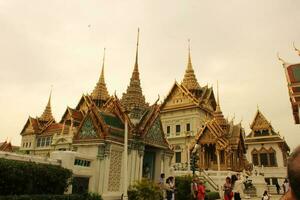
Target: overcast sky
60,43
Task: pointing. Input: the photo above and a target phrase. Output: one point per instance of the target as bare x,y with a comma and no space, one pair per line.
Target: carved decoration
87,129
154,134
103,150
115,171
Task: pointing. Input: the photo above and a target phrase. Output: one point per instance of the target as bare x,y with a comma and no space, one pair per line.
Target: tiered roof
6,146
47,114
100,93
190,81
134,98
292,72
262,131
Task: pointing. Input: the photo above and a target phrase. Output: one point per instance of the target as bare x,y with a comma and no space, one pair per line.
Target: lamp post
125,181
195,149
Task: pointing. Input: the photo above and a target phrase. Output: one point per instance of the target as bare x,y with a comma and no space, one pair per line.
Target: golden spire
134,95
100,91
47,114
218,108
218,115
190,81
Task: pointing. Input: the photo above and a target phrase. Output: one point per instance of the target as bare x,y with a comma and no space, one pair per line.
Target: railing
209,180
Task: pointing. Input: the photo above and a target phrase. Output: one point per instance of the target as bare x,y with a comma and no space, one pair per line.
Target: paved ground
273,197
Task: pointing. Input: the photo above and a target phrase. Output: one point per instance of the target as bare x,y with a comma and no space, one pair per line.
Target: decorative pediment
155,134
260,122
178,97
206,137
87,130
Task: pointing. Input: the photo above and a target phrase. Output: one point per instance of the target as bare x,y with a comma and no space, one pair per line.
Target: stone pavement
273,197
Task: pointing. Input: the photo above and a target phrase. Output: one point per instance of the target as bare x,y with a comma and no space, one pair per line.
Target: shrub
212,195
18,178
53,197
144,190
183,186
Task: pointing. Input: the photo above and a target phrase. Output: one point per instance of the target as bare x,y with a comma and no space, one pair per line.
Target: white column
219,168
188,159
125,180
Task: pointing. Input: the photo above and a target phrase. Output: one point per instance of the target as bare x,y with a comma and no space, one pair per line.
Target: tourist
161,185
227,187
194,188
286,186
265,196
169,189
201,191
172,184
277,187
293,171
238,190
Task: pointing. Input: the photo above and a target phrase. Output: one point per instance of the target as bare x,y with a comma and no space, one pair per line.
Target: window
267,181
264,159
274,181
38,144
177,129
188,127
272,160
177,157
42,142
83,163
255,159
168,130
222,156
47,141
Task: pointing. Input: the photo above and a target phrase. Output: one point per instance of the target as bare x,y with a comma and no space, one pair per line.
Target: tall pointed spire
47,114
190,81
134,95
100,92
218,115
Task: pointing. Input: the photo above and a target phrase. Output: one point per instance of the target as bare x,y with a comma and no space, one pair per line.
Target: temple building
184,112
89,139
267,150
292,73
6,146
220,144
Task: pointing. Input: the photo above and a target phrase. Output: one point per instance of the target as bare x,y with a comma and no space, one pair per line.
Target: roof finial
189,59
218,108
137,50
296,48
280,59
257,107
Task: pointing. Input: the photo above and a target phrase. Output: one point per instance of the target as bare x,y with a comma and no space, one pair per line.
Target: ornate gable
155,135
178,97
87,130
260,122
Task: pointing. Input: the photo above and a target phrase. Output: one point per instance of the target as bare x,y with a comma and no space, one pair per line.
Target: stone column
125,161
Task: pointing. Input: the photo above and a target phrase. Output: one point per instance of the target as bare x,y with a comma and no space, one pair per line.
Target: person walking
201,191
227,187
238,190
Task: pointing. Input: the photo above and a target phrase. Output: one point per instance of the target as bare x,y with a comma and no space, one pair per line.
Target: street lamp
195,149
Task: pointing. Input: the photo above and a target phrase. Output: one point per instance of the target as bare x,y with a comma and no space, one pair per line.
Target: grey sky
44,43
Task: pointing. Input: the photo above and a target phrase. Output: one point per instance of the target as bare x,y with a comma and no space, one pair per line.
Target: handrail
212,183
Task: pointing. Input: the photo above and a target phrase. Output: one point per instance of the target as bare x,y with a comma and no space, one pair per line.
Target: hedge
53,197
19,178
145,190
